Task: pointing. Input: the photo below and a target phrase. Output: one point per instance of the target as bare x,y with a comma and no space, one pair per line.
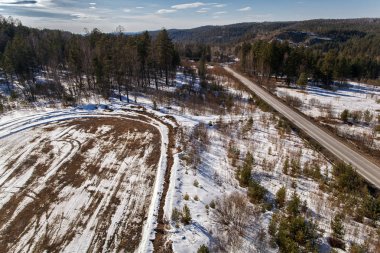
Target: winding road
365,167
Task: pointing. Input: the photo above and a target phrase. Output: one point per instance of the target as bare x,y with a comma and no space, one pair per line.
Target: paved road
365,167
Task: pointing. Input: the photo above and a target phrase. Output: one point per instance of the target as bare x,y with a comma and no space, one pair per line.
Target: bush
356,116
344,116
368,116
336,243
294,233
196,183
294,205
244,174
212,204
186,216
358,249
234,214
196,198
293,101
347,179
302,80
176,215
186,197
285,168
281,197
337,227
256,193
203,249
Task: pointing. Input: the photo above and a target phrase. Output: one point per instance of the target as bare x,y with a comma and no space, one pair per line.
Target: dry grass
125,138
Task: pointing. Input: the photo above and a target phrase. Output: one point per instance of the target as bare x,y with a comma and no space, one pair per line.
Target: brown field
82,185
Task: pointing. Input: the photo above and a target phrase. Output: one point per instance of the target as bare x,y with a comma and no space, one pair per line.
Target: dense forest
298,63
75,66
237,33
92,63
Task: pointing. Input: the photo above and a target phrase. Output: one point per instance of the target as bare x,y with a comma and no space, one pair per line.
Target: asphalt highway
365,167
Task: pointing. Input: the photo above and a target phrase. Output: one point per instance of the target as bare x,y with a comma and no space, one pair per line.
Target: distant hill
310,31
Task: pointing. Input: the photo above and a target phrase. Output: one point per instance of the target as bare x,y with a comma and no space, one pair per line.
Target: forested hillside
73,66
248,31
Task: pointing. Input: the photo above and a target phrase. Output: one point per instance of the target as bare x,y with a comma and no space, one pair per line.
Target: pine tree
281,197
337,227
244,174
203,249
186,216
294,205
285,168
302,80
344,115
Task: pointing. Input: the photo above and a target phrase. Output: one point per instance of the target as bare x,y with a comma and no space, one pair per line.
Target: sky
140,15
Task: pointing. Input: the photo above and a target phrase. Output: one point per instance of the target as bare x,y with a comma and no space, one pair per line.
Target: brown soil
124,138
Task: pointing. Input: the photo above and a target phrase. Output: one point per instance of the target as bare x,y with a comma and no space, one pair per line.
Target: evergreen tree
344,116
337,227
281,197
186,216
302,80
203,249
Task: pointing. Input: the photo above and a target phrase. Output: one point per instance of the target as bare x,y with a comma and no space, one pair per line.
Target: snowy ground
80,180
319,102
351,96
119,178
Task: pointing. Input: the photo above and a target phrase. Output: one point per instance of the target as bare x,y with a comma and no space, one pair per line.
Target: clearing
78,184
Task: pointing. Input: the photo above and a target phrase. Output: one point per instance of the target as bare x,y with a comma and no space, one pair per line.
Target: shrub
294,233
368,116
196,183
337,227
355,248
233,214
336,243
356,116
186,197
256,193
281,197
203,249
244,174
293,101
212,204
285,168
186,216
344,116
196,198
302,80
347,179
176,215
293,208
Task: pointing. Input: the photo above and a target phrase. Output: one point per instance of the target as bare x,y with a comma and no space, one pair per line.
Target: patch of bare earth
78,186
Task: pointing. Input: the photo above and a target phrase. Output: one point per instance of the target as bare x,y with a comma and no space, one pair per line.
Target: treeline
280,59
75,66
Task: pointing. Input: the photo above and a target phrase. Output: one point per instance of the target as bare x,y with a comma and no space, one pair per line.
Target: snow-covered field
351,96
355,97
87,179
79,181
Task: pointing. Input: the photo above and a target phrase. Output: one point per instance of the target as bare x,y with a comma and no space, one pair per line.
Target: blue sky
151,15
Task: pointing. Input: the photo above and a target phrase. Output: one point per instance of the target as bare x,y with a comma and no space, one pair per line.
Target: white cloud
139,7
220,13
188,6
220,5
245,9
165,11
92,3
203,10
127,10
